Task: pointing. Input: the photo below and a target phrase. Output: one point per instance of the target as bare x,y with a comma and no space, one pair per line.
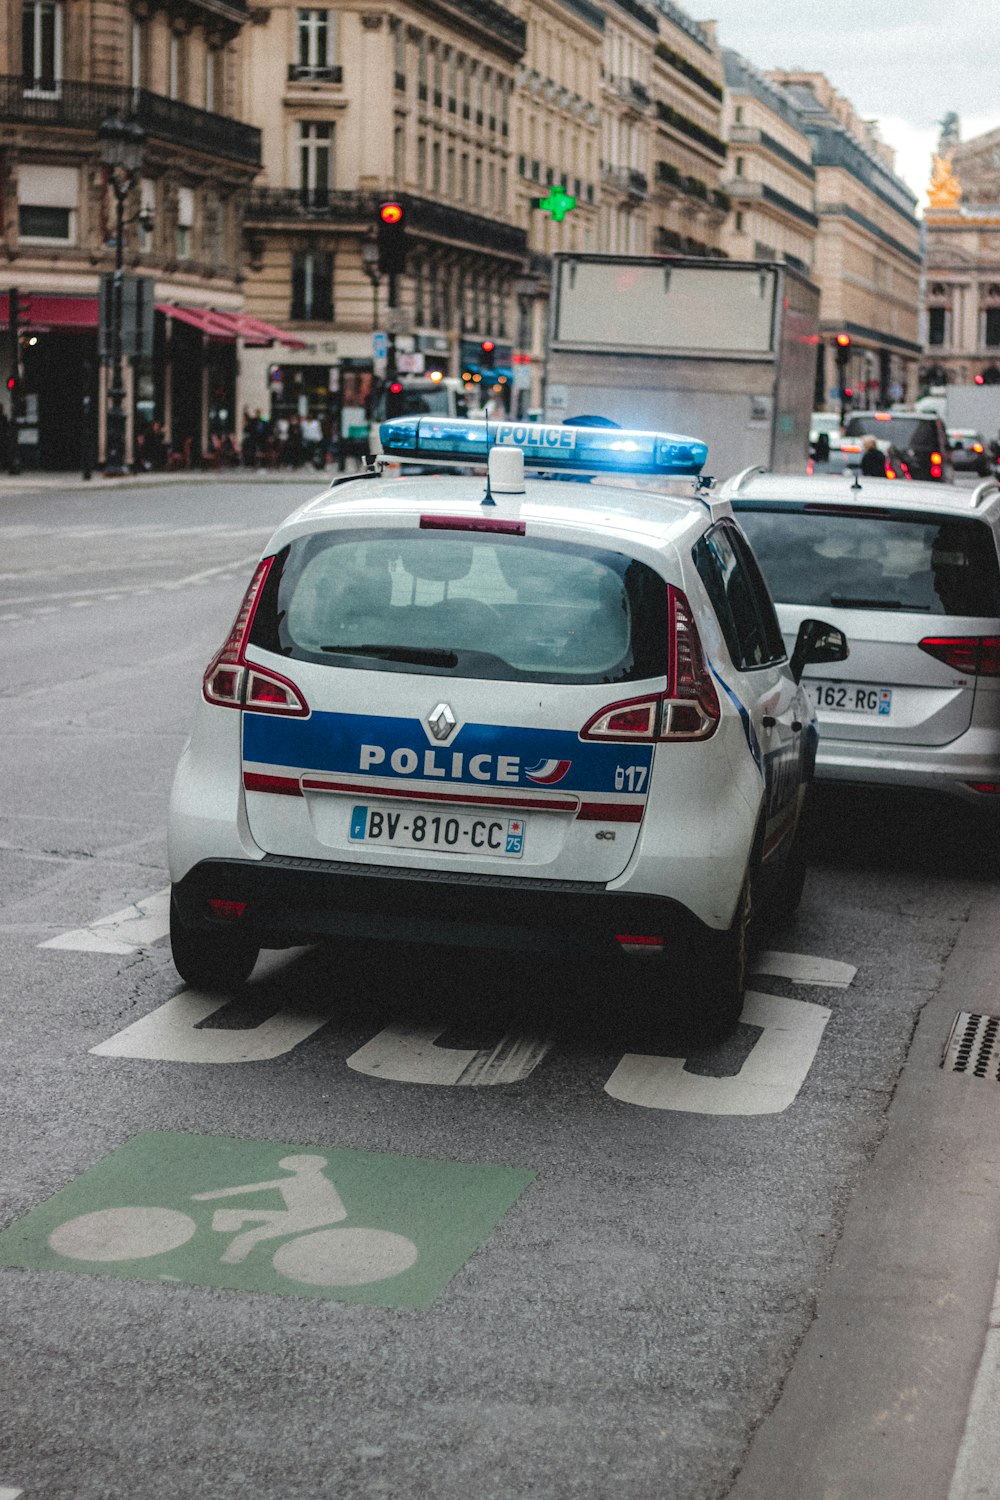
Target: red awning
40,313
256,331
215,325
228,327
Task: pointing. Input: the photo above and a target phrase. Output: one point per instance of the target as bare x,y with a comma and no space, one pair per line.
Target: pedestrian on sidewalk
872,459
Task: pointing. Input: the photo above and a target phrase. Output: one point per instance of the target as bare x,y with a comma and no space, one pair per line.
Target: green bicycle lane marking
269,1216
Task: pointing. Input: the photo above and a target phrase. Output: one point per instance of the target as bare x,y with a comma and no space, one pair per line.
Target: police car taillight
230,683
688,710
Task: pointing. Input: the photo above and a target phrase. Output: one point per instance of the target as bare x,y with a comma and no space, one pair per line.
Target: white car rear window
822,555
466,604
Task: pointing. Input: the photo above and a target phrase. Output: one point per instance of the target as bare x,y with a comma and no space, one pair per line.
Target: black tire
217,961
717,969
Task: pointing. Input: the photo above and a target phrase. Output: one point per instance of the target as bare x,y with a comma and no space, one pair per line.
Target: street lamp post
122,144
369,260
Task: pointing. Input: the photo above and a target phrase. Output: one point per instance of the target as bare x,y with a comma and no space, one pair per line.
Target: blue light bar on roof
606,450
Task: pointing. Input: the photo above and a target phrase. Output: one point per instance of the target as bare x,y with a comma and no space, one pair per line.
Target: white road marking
169,1034
127,931
804,969
407,1054
6,1493
766,1084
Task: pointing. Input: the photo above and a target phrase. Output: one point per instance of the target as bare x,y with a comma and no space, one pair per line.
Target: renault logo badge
442,721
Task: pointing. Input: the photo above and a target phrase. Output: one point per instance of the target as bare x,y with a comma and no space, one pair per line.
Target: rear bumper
934,768
292,901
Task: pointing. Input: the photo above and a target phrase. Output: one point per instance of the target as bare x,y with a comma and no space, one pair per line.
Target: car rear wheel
218,961
717,968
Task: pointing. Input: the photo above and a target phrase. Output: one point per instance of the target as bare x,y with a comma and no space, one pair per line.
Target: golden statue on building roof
944,190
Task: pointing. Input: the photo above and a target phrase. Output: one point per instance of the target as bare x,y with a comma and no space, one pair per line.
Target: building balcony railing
303,205
627,180
742,190
746,135
83,106
307,73
690,128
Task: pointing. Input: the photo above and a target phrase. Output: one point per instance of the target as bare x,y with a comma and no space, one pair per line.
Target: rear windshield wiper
419,656
841,601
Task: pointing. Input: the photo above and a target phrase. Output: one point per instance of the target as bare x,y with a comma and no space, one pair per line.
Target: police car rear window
465,605
936,565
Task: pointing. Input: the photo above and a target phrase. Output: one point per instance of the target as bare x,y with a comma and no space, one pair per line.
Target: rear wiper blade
841,601
419,656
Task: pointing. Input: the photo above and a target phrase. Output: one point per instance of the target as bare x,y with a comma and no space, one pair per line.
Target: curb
23,484
891,1388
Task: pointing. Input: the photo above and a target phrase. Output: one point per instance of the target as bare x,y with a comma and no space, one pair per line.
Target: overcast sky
905,63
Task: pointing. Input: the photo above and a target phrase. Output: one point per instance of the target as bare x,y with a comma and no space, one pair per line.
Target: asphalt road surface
394,1222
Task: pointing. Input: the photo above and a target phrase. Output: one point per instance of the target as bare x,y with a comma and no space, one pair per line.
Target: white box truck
973,408
722,350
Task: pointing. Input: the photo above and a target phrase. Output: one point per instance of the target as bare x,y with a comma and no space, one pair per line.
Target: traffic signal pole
390,232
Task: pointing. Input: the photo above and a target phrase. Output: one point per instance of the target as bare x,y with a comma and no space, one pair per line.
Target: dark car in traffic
919,441
968,452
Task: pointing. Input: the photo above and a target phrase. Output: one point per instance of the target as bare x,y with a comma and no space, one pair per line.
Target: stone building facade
771,178
867,259
173,67
470,114
962,287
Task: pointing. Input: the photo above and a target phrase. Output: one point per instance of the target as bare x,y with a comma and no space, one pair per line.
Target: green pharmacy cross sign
558,203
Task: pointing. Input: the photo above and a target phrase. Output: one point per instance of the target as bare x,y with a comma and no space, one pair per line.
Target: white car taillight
230,682
687,710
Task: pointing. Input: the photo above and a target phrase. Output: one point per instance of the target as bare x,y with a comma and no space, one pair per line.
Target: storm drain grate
972,1047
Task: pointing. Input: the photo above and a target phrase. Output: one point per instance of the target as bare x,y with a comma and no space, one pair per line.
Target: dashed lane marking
6,1493
409,1054
124,932
804,969
172,1033
767,1083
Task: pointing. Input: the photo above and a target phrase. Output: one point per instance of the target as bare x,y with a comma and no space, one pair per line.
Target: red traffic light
11,382
487,346
980,380
391,213
396,388
843,340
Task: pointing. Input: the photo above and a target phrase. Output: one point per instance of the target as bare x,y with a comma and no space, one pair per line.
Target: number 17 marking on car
630,778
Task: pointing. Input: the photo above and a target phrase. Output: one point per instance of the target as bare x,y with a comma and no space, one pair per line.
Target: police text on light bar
612,450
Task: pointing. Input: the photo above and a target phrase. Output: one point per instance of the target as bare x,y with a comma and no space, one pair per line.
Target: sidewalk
894,1389
35,479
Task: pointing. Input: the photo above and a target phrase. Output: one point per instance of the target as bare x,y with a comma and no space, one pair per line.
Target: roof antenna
856,485
488,497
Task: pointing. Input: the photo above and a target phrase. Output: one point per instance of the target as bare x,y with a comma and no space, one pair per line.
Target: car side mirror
817,642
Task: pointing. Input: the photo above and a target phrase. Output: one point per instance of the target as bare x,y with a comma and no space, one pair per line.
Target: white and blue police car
480,709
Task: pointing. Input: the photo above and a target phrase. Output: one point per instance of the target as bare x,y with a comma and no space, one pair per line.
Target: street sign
410,364
137,316
380,346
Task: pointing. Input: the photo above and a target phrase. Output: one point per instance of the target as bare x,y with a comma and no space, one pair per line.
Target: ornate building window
312,286
42,45
315,162
314,52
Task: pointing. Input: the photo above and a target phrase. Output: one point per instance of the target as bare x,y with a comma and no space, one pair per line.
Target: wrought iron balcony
83,106
312,206
307,73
